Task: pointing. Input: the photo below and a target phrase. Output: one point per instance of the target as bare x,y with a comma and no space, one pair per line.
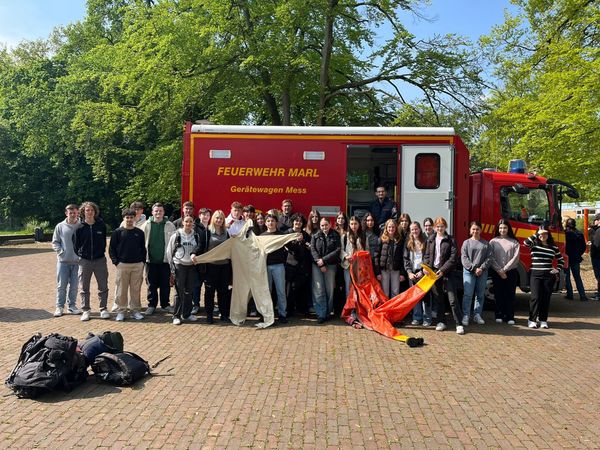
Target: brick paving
305,386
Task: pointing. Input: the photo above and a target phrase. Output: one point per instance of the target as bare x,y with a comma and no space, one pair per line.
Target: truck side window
529,208
427,171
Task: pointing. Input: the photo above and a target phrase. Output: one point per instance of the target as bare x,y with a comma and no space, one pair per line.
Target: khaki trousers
129,277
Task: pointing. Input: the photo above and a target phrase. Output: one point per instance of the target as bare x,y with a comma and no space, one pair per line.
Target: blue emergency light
517,166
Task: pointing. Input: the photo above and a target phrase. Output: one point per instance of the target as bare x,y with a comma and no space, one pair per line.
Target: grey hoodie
62,242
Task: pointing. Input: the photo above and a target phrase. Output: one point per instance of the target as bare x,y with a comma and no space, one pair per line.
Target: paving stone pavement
305,386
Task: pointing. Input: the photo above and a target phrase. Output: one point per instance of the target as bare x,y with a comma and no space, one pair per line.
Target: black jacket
390,252
327,247
382,211
448,250
372,245
202,239
594,236
90,240
299,252
574,245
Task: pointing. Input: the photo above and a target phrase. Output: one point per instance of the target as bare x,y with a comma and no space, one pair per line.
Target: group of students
306,273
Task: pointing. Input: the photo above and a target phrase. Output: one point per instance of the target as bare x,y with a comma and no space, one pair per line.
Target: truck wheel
490,298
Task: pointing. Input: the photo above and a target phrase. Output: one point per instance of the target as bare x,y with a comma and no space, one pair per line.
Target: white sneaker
114,307
478,320
58,312
415,322
104,314
511,322
176,321
137,315
191,318
465,321
531,324
150,310
544,325
460,329
195,310
499,320
85,316
440,326
426,324
120,317
74,310
168,309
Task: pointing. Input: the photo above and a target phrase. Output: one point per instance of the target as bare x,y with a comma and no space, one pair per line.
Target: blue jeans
66,274
347,282
277,272
574,268
422,310
474,286
323,285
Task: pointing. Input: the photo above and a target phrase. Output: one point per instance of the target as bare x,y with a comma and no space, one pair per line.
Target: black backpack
107,342
47,364
121,369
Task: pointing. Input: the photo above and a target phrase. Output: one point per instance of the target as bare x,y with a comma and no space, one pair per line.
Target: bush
32,224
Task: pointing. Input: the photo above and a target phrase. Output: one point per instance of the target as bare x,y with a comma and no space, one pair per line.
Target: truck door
426,182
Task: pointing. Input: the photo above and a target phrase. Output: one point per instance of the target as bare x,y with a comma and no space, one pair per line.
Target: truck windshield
533,207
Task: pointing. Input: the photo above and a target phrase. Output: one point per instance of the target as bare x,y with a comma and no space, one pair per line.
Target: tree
546,109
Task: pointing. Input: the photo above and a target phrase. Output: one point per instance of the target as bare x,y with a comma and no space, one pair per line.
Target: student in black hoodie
127,251
90,246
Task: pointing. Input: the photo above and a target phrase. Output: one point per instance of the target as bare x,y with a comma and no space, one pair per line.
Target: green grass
20,232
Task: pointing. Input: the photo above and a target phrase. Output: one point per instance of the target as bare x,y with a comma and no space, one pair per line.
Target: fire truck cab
527,200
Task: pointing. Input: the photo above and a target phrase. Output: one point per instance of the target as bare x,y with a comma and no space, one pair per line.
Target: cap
542,231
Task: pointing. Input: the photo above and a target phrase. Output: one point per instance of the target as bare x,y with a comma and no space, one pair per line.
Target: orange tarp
372,307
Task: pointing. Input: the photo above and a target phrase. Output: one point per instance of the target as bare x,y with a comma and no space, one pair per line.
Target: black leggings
542,283
504,293
218,277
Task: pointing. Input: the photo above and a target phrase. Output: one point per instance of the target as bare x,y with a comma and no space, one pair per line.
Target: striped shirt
542,256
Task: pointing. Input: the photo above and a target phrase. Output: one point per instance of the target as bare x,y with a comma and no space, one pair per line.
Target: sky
34,19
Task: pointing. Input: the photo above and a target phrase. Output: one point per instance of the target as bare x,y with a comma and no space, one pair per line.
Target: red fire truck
331,169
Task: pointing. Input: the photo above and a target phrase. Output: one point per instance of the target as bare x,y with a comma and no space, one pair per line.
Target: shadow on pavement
92,388
18,315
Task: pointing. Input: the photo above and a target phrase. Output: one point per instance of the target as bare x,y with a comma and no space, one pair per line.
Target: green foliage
546,109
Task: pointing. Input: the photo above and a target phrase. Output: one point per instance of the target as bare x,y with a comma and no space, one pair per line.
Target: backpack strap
177,242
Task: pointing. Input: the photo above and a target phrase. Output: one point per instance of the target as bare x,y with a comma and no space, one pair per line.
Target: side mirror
573,193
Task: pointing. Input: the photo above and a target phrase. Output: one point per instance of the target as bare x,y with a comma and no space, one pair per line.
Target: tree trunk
286,107
325,63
